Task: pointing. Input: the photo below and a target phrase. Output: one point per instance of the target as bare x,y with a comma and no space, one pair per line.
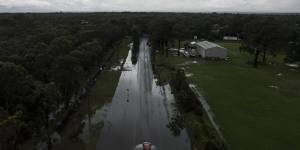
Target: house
206,49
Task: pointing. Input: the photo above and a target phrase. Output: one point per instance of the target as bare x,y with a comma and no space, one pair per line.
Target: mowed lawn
253,113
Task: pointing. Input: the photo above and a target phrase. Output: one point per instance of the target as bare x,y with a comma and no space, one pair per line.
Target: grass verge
202,135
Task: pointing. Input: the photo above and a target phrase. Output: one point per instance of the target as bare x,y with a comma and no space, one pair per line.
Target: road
140,110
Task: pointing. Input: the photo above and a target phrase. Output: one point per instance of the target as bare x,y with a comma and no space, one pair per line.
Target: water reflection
141,110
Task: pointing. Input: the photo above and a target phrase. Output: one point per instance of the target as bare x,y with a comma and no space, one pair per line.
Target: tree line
45,58
260,34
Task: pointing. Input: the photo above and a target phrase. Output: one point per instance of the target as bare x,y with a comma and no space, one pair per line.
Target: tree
67,73
293,52
38,62
17,98
61,46
160,34
264,35
136,34
180,32
48,94
87,59
109,33
10,130
94,46
17,87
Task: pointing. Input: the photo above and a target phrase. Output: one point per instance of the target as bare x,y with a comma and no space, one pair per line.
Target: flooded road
140,110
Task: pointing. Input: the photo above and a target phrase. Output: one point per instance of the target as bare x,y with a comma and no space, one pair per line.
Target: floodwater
141,111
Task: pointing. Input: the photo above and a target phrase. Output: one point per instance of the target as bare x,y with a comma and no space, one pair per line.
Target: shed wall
215,52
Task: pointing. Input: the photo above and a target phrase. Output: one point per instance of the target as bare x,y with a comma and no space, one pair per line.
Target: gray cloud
150,5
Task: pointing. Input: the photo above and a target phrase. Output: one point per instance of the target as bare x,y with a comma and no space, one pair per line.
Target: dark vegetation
47,59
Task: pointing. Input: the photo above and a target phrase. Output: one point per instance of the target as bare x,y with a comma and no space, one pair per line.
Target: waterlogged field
83,130
256,108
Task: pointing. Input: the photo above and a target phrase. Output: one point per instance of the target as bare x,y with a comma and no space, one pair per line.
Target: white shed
231,38
208,49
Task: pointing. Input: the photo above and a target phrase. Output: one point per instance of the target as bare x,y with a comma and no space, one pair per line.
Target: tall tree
264,35
61,46
67,73
17,87
180,32
47,96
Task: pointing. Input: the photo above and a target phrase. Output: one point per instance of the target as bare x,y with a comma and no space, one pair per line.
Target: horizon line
188,12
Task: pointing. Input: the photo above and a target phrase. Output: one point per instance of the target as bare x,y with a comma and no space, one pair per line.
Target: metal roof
207,45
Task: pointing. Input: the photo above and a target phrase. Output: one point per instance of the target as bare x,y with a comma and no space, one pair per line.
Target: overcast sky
150,5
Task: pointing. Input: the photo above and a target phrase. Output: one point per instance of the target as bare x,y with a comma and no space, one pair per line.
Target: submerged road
140,110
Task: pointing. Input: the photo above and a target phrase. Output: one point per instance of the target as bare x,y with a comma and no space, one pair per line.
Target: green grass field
252,115
104,89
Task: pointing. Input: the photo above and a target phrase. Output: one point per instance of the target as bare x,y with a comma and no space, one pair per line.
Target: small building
84,22
231,38
207,49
